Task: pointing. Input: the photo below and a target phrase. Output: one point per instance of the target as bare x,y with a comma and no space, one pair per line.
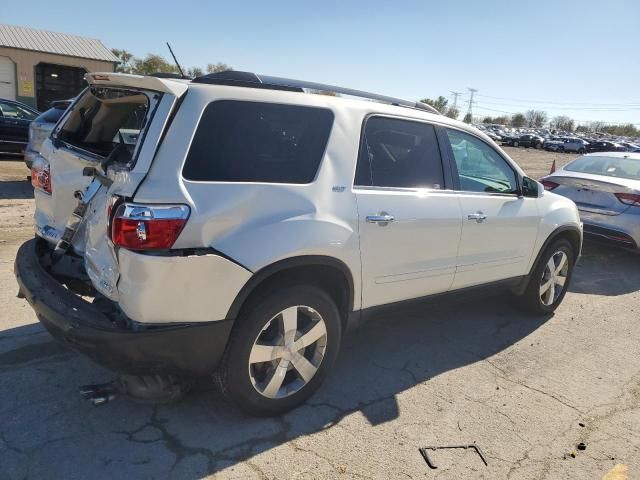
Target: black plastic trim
183,349
252,80
358,317
605,235
289,263
552,237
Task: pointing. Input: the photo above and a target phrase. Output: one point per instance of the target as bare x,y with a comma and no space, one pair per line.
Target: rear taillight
41,174
629,198
548,184
147,227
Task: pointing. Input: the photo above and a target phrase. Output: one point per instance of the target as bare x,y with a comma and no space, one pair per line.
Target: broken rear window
106,122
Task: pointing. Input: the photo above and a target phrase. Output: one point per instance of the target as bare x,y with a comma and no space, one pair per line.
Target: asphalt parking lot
473,369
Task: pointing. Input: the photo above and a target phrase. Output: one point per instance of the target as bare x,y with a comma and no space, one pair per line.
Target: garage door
57,82
7,78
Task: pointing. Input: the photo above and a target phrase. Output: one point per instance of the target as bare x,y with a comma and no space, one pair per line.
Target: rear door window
399,153
106,122
238,141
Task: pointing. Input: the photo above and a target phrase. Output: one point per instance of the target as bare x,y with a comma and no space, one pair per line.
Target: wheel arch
330,273
568,232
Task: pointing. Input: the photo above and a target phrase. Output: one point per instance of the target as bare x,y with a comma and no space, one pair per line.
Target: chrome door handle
382,219
479,217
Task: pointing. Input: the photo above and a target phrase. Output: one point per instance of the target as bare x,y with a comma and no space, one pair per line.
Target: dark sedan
603,146
526,141
15,118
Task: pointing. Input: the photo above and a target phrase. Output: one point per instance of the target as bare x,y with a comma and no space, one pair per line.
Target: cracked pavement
445,372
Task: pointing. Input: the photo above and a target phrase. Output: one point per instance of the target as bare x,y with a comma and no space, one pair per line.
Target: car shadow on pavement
15,189
48,431
606,270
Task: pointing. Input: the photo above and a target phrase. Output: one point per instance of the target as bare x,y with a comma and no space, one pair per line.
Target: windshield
608,166
106,122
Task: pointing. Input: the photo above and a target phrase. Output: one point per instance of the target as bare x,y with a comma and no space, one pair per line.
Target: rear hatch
592,193
115,125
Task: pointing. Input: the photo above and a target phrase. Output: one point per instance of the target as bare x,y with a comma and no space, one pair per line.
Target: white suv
236,224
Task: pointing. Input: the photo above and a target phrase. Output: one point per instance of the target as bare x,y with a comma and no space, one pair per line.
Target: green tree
153,64
487,120
194,72
452,113
562,122
628,130
467,118
596,126
125,59
439,103
501,120
535,118
218,67
518,120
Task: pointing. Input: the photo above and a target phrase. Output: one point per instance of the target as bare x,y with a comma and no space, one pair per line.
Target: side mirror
531,188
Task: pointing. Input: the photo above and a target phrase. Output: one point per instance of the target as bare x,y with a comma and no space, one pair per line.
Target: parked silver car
574,145
606,188
41,127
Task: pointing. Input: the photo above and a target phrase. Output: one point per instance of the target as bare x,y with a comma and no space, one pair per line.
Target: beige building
37,67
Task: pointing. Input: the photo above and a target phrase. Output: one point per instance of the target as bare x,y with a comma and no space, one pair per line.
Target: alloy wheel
554,278
288,352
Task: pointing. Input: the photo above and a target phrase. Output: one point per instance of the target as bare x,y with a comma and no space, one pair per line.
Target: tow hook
100,393
155,389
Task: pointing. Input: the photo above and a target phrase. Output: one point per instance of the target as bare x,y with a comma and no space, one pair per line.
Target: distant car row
567,144
23,129
558,142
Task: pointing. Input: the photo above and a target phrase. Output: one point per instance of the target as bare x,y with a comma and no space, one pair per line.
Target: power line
597,109
636,104
471,93
455,99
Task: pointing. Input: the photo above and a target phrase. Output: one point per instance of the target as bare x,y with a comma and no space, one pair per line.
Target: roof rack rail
169,75
252,80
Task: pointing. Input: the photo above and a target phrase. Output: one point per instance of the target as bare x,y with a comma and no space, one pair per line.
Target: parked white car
249,222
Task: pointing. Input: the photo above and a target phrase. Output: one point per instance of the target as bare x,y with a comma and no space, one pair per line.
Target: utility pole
470,111
455,99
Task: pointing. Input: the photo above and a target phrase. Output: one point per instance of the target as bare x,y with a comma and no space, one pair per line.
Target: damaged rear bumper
180,349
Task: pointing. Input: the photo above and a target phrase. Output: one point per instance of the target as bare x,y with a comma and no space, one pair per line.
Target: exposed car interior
106,123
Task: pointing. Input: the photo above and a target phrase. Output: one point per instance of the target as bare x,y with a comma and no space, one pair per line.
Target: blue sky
578,58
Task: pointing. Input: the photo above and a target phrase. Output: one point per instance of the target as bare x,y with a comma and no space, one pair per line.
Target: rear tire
550,278
268,367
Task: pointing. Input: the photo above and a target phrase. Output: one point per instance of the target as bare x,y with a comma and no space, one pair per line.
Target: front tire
550,279
282,347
